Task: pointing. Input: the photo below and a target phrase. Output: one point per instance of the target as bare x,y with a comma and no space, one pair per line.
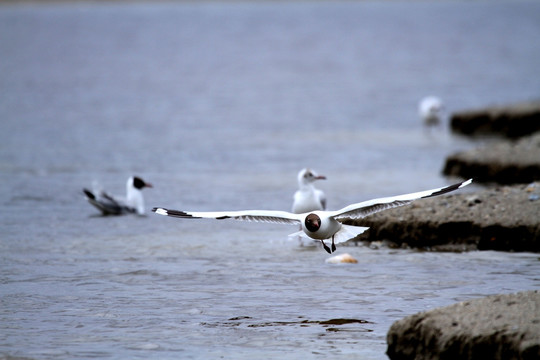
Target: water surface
219,105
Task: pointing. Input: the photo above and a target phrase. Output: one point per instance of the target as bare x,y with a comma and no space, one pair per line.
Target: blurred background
219,105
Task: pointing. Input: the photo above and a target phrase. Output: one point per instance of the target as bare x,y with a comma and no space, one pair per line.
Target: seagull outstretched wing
365,208
268,216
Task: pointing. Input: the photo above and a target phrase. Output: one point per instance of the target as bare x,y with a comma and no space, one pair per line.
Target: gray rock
496,327
510,121
502,218
505,162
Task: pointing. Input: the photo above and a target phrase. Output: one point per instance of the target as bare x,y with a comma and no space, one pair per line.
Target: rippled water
219,105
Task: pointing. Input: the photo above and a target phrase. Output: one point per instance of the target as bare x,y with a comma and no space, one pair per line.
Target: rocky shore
496,218
502,215
496,327
511,121
504,162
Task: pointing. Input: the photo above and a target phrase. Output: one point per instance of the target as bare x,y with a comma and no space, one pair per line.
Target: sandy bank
496,327
496,218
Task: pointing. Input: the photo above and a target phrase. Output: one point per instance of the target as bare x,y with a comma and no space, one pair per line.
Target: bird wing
268,216
106,203
363,209
114,205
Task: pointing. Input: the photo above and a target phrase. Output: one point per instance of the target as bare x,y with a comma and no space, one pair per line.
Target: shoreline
503,218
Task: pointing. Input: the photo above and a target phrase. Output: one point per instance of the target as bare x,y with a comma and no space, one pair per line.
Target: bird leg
333,245
326,247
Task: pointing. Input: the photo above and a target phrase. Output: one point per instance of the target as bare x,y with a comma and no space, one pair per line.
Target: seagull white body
110,205
430,110
308,198
319,225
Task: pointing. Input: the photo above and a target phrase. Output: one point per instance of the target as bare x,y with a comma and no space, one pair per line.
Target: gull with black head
319,225
110,205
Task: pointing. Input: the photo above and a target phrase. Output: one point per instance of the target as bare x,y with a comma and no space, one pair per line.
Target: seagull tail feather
348,232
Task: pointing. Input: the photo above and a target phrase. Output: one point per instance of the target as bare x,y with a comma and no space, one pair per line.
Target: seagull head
139,183
307,176
312,222
134,196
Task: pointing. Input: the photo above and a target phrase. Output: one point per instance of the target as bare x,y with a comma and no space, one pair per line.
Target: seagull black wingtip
89,194
450,188
173,213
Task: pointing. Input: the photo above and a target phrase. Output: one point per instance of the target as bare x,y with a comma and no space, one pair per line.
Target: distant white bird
109,205
319,225
308,198
430,110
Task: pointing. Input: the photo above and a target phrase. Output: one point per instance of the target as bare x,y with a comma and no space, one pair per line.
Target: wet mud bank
503,326
503,218
503,162
511,121
515,158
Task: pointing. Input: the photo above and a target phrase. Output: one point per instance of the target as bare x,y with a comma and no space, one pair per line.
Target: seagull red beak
320,177
148,185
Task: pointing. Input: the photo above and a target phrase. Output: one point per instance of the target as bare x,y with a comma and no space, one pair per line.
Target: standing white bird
308,198
109,205
430,110
319,225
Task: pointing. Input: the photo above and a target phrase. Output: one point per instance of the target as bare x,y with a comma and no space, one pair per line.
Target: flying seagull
308,198
109,205
319,225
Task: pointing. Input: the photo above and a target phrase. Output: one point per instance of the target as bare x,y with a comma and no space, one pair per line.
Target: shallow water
219,106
